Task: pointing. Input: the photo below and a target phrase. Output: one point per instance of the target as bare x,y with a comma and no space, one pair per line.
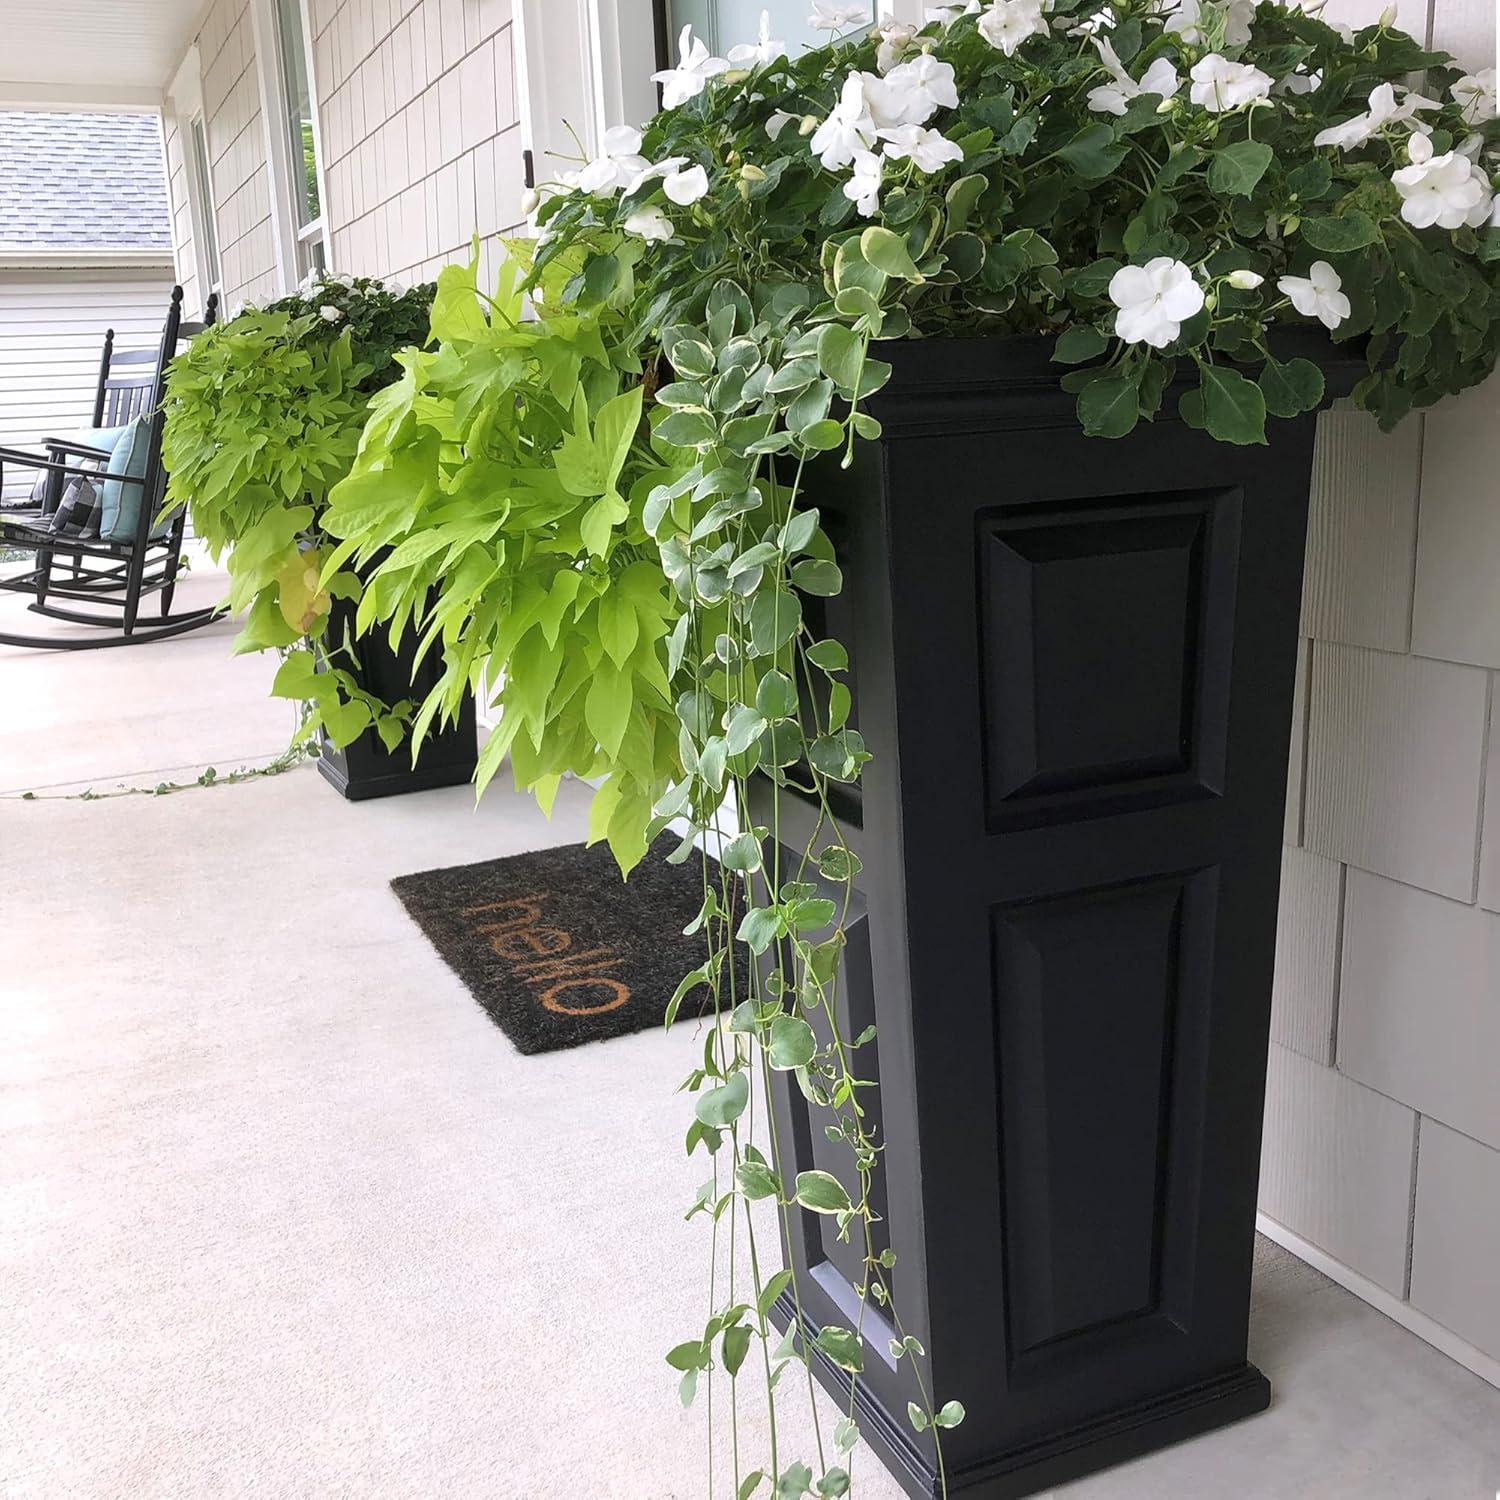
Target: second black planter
365,768
1073,661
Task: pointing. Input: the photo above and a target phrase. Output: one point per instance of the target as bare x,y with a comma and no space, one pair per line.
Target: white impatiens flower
1244,281
1155,300
1220,85
686,187
863,188
1188,19
764,49
531,200
1317,295
651,172
1300,82
778,121
1008,23
649,223
929,150
695,66
895,38
617,164
1114,98
848,128
1445,191
330,314
911,93
946,15
1383,110
829,15
1475,96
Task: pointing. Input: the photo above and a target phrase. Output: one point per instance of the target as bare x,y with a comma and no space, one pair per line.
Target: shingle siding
1385,1150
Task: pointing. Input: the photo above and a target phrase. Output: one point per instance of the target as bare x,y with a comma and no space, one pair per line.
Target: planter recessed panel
1103,629
1099,1106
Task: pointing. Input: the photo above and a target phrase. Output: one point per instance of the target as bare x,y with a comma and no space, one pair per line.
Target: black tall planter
1073,661
365,768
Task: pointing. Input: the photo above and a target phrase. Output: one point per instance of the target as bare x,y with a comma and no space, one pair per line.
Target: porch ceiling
91,54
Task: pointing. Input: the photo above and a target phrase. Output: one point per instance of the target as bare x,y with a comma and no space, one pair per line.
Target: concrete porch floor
283,1215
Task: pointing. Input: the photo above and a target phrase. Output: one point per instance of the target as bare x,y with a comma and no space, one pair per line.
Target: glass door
723,23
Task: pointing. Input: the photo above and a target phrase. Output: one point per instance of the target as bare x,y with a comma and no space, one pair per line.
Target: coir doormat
557,948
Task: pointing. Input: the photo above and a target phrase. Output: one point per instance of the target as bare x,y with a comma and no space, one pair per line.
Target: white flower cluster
890,112
1114,98
1447,191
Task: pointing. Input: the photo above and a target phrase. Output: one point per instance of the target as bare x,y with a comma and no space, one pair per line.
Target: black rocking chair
109,575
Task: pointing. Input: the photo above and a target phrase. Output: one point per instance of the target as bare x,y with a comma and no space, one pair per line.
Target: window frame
299,247
203,207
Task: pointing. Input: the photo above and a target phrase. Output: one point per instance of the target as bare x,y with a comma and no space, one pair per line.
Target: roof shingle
82,182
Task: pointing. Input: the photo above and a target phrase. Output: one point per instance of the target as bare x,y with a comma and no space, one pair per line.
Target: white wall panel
1307,954
1419,1004
1336,1166
1457,609
1362,531
1455,1266
1395,745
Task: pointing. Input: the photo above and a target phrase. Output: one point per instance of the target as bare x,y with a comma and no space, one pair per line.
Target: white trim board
1427,1329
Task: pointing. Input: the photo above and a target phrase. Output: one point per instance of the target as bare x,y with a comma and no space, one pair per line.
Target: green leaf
741,854
756,1180
916,1416
736,1347
775,617
1237,170
838,863
689,1356
845,1434
1109,407
722,1106
776,695
822,437
1352,230
759,928
828,654
950,1415
792,1045
821,1192
607,707
771,1291
815,576
842,1347
795,1482
841,352
1077,345
1093,153
833,1484
887,251
749,1484
1290,388
1234,411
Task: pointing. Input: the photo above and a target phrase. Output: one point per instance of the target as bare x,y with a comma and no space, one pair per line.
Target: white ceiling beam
101,98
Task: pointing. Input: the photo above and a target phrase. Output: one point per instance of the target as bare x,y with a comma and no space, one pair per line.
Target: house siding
419,130
1382,1136
52,325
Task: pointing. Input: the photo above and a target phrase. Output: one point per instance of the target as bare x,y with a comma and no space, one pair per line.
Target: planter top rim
1023,362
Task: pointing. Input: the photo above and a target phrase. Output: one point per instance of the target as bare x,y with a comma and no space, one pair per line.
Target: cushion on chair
103,438
77,514
120,504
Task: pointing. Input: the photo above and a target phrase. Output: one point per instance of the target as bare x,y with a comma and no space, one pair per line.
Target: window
290,102
203,190
722,23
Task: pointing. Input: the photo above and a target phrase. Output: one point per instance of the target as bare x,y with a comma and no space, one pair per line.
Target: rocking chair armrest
27,460
67,445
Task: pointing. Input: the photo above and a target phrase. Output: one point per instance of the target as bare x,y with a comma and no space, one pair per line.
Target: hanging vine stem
750,647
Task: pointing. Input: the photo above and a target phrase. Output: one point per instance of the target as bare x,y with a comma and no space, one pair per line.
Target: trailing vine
596,487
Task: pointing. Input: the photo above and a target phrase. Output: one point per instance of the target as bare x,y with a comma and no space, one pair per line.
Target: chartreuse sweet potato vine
605,475
264,412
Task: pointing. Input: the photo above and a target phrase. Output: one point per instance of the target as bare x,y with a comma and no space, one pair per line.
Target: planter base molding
1073,662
